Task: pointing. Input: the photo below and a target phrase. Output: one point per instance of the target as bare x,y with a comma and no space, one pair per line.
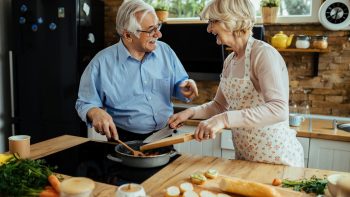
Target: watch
334,14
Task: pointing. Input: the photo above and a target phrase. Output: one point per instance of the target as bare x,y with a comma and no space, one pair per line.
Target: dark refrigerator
53,41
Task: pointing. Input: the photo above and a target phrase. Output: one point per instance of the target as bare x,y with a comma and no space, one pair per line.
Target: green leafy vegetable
24,177
312,185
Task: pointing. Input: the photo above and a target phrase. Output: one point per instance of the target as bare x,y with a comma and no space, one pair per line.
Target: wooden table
184,166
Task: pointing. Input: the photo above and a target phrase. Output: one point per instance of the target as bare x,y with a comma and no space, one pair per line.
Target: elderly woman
252,98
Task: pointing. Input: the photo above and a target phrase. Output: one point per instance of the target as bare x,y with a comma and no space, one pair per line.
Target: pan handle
173,153
109,156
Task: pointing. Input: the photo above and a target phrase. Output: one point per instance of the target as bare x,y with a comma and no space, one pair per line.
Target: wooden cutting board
180,138
212,185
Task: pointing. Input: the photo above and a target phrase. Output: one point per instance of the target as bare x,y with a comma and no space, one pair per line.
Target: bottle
320,42
303,42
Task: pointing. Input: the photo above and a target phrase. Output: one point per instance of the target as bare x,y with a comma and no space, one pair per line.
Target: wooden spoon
134,152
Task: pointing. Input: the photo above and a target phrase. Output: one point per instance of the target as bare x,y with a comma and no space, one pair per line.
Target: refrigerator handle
12,93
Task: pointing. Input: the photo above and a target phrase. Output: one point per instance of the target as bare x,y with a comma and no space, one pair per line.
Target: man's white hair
126,17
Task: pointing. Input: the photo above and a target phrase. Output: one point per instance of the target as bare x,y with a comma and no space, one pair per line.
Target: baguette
247,188
190,194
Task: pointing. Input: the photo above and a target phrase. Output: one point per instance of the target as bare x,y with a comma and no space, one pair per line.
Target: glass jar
320,42
303,42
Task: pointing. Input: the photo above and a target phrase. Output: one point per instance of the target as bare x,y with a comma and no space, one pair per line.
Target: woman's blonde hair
236,15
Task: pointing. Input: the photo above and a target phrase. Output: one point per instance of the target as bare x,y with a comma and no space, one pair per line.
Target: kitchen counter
182,167
321,129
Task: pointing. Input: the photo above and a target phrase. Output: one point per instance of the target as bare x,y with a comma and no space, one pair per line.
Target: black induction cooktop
89,160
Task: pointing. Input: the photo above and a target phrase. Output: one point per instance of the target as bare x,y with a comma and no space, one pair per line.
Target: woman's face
223,36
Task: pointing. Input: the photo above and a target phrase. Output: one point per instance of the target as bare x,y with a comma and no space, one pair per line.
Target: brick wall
328,92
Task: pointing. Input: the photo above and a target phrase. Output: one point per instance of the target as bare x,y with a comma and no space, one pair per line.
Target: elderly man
125,92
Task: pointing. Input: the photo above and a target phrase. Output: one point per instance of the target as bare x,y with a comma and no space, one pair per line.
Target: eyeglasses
152,31
212,21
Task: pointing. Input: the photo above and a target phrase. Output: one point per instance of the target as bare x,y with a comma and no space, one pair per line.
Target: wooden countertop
182,167
321,129
57,144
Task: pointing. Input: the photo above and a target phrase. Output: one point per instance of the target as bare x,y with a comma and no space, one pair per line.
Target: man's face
147,39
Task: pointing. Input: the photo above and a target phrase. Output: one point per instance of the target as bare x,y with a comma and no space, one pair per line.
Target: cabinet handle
12,93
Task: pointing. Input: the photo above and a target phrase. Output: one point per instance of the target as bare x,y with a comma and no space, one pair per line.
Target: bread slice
172,191
198,179
186,186
211,174
247,188
205,193
190,194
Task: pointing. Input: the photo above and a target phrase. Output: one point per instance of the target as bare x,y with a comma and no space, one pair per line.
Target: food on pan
186,186
190,194
172,191
211,174
198,178
247,188
205,193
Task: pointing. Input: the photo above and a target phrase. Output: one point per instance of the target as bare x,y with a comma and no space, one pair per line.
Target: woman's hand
103,123
177,119
207,129
189,89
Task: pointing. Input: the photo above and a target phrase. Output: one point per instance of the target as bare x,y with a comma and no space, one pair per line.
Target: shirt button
145,82
149,98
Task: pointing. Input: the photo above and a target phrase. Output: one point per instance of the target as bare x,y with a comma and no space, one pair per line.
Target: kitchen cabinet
329,155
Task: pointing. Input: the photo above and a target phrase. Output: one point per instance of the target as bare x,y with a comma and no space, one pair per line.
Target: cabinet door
329,155
205,148
305,143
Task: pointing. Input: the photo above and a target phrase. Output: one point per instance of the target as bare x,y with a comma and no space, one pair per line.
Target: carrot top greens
24,177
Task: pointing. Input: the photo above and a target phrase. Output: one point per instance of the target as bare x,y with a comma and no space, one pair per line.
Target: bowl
333,186
77,187
130,190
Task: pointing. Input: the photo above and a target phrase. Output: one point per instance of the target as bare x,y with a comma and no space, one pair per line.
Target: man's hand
102,122
189,89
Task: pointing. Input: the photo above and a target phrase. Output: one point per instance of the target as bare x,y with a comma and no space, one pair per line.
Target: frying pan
157,157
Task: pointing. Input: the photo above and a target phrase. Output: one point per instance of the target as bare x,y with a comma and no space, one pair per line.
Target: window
291,11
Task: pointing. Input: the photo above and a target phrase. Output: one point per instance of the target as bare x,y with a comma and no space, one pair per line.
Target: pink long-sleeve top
270,78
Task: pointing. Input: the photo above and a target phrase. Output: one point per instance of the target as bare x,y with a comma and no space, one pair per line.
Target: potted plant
162,10
269,10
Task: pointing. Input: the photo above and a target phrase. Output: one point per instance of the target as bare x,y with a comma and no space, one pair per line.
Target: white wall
4,74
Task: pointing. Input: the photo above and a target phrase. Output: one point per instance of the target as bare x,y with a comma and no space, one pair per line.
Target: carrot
48,192
55,183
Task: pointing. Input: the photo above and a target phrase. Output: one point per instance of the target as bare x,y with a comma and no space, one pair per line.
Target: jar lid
320,37
303,37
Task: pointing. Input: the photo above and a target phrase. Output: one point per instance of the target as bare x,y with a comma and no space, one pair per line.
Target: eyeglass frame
152,31
212,21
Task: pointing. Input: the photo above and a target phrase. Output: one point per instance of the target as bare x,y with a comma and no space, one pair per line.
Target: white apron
276,144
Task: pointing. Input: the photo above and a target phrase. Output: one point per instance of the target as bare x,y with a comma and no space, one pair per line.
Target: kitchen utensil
159,157
345,127
281,40
180,138
163,133
134,152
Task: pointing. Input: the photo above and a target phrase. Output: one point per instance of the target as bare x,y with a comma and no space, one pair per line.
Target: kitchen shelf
316,54
315,58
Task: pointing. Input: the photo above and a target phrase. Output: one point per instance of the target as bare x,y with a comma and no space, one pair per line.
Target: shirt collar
124,54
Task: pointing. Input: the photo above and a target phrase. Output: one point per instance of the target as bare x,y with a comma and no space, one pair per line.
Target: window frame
316,4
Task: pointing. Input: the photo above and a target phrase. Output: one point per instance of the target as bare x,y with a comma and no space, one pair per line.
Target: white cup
20,144
130,190
295,120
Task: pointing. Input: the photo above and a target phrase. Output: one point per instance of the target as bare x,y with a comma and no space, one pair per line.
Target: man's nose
158,34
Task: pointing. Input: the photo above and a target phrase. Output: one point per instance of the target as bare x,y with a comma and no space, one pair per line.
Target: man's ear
127,35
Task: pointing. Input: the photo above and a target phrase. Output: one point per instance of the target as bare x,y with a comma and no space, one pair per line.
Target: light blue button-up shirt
137,94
